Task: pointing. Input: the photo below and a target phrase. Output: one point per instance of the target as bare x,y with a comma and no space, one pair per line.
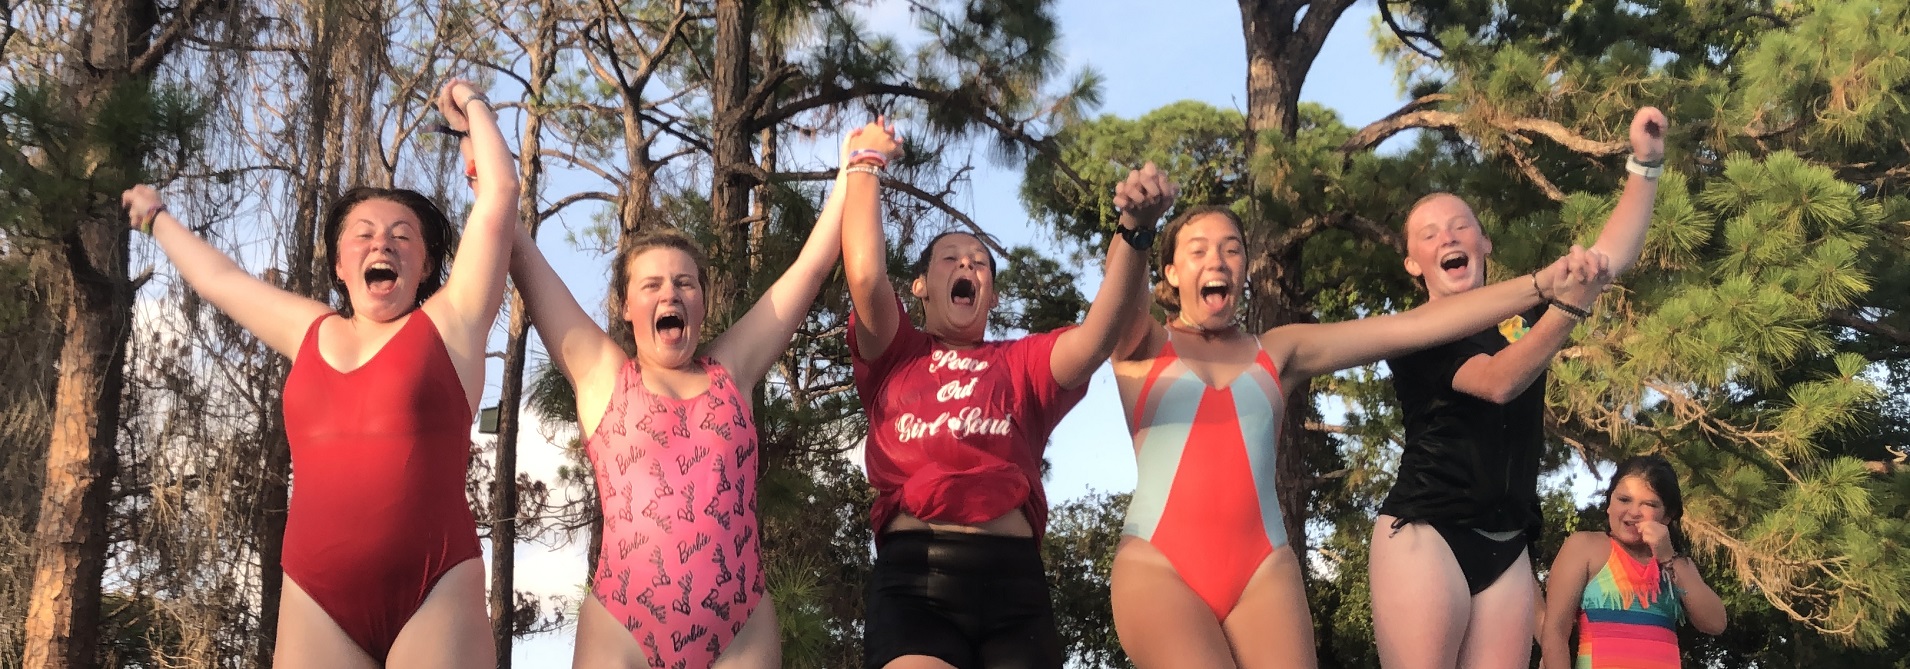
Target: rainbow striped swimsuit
1628,616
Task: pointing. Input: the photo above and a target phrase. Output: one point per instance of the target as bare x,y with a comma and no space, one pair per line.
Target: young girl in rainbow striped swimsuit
1628,585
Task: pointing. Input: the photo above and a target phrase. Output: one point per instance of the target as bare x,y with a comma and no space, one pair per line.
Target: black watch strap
1141,238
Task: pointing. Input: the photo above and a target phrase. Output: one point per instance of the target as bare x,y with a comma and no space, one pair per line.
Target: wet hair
1657,473
656,238
1168,241
920,268
440,237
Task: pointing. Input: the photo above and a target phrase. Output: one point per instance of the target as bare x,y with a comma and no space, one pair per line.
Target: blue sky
1150,54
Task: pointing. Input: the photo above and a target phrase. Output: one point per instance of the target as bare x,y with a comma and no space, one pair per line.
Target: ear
918,288
1172,274
1412,267
1488,241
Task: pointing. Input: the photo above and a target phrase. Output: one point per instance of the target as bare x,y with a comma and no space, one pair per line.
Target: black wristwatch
1139,237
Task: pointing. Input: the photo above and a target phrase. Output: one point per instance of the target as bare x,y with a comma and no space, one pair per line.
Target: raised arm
1141,336
277,317
1142,198
865,254
1315,349
1623,237
1564,586
1505,375
1702,605
475,288
754,342
576,345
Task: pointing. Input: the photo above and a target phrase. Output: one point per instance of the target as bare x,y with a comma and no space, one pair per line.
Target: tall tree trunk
62,625
1282,39
530,167
729,142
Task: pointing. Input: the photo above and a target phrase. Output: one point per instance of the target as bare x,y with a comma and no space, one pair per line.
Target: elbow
1497,393
1712,627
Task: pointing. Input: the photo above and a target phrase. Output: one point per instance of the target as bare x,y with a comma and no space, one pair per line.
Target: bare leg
759,645
602,642
451,628
1271,627
1497,637
917,662
1420,602
308,637
1160,620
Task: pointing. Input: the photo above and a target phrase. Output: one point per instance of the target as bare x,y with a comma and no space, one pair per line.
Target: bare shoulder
1588,548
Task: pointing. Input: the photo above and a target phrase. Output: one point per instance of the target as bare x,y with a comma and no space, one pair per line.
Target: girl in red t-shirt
957,425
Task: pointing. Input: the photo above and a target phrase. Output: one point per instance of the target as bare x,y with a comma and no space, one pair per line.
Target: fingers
1652,121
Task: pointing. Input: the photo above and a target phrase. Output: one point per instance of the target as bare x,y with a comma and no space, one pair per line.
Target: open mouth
670,327
381,277
1454,262
963,292
1214,294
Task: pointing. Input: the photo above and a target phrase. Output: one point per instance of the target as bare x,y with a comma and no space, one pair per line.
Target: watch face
1139,238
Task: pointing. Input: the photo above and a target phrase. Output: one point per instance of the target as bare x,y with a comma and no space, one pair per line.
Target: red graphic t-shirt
956,436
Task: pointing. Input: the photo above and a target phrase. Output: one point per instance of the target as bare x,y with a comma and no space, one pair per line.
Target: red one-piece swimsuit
378,512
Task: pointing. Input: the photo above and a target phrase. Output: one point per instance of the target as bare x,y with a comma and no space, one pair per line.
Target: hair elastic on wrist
152,217
1536,288
868,156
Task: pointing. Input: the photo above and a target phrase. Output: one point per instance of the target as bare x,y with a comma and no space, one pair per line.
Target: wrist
1575,311
152,216
1140,237
1540,289
868,157
474,97
1649,169
862,168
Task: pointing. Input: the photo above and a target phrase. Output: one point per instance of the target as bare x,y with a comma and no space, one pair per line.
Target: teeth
1214,284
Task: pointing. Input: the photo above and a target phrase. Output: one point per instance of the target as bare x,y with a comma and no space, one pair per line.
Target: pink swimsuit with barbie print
681,567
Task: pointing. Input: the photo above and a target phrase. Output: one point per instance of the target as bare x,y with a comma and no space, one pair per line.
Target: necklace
1198,329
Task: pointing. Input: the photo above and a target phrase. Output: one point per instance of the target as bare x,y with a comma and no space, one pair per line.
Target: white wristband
1649,173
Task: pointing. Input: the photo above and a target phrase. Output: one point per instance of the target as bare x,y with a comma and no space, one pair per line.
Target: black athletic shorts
975,601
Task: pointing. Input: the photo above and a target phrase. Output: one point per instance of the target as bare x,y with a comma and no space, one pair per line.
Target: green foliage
1079,553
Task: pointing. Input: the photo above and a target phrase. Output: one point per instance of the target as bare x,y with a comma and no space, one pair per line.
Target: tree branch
1400,120
931,199
1533,174
1416,115
1849,319
1405,36
163,43
579,162
837,94
574,198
